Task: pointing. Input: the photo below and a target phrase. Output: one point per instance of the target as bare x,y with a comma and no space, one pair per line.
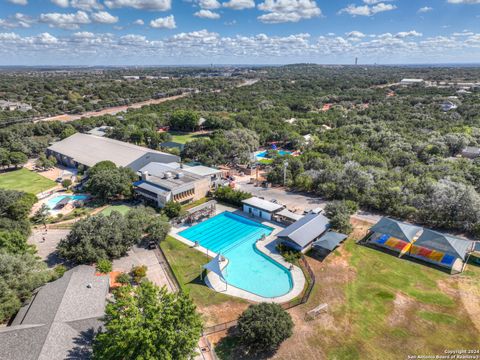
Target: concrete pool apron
267,247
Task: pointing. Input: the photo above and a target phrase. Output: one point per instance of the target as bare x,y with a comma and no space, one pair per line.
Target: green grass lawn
122,209
426,319
187,264
183,138
25,180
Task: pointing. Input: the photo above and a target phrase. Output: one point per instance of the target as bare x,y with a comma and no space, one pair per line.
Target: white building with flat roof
261,208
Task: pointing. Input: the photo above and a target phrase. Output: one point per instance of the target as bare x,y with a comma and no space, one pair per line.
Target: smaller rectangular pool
52,203
249,269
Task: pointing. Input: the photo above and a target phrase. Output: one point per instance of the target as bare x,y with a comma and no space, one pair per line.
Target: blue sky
162,32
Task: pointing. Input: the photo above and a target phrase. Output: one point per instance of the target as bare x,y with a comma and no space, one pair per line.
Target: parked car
59,179
152,245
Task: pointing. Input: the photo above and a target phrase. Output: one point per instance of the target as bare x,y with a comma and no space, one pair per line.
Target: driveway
46,242
141,256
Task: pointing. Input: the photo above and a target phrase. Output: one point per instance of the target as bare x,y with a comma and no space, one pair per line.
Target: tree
107,182
68,131
45,163
158,229
184,120
231,196
172,209
339,213
18,158
66,183
146,322
13,242
95,238
41,215
19,276
263,327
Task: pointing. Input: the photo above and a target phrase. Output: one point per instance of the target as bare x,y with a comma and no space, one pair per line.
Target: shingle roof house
60,320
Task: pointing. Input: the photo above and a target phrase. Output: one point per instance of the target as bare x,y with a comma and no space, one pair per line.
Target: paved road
46,243
298,201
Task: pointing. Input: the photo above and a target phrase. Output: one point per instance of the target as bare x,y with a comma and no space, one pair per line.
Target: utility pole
285,165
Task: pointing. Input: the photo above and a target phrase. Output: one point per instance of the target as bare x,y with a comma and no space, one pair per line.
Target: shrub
104,266
60,270
139,273
231,196
290,255
66,183
123,278
263,327
172,209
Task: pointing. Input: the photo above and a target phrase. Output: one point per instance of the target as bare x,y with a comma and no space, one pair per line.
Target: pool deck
267,246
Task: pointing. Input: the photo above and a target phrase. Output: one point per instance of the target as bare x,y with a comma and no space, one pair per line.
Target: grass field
25,180
122,209
382,307
187,264
183,138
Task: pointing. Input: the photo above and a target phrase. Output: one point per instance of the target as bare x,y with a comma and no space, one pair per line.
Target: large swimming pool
234,237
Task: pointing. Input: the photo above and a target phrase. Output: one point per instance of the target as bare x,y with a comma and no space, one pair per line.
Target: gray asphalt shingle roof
58,318
305,230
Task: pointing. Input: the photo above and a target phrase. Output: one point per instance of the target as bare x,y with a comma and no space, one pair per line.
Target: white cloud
17,20
86,5
239,4
405,34
61,3
206,46
167,22
65,21
464,1
280,11
207,14
139,22
354,34
157,5
104,17
209,4
19,2
367,10
424,9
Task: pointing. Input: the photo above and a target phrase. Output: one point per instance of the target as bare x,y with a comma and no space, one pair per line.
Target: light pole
285,165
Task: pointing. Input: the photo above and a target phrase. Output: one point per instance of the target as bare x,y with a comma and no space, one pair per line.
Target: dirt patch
224,312
401,310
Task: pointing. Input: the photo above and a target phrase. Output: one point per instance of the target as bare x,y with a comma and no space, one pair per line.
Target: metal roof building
396,229
60,320
88,150
302,233
329,241
261,208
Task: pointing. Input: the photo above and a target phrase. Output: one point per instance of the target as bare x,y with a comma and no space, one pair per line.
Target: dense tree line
21,271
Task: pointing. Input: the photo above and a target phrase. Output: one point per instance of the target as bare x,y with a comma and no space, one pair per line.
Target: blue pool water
263,154
234,237
53,201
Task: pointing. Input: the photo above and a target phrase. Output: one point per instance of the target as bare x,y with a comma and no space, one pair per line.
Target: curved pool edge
214,282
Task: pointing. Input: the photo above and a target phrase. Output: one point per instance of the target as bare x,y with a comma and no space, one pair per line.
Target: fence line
288,305
162,259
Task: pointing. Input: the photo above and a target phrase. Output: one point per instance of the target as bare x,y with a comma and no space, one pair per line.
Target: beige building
161,183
